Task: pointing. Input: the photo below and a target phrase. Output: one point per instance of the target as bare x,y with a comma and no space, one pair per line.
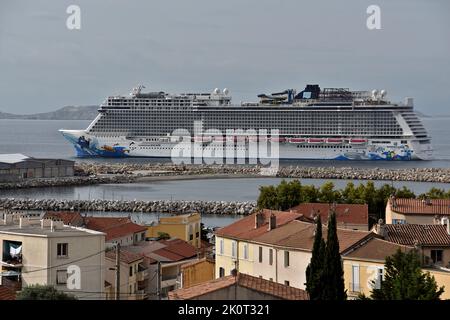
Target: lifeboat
202,139
297,140
108,148
278,139
316,140
334,140
358,141
219,139
253,138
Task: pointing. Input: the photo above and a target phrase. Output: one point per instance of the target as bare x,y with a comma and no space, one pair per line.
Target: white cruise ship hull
88,145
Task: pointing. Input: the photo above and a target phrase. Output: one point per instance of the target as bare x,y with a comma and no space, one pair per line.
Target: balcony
354,288
169,281
142,273
141,295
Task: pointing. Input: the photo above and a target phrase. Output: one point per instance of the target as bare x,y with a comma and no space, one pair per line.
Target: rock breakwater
162,206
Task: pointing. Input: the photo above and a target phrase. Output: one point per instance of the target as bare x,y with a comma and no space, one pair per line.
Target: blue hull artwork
89,148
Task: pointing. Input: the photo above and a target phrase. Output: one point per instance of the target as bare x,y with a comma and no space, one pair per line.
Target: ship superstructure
315,123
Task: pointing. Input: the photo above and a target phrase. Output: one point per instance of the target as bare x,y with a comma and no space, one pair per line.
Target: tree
268,198
328,194
315,267
43,292
163,235
289,194
404,279
333,287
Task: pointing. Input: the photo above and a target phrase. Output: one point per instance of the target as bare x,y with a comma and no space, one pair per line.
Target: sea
40,138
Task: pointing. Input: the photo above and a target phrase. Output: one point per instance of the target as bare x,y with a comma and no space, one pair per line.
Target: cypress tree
333,287
315,267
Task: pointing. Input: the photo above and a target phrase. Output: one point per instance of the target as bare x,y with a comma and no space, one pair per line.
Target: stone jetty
98,173
146,169
162,206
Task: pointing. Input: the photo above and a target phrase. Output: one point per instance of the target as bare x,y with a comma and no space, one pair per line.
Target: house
18,167
196,272
432,240
416,211
277,246
47,252
239,287
117,229
348,216
163,259
133,275
184,226
364,267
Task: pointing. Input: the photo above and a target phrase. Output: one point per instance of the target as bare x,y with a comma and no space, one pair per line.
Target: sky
247,46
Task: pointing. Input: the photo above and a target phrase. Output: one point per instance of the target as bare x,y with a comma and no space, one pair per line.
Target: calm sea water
40,138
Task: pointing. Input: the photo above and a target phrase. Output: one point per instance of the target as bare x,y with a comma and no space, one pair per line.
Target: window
62,250
286,283
246,251
191,237
233,249
398,221
260,254
131,271
221,272
436,256
286,259
61,277
221,246
270,256
271,279
355,278
142,236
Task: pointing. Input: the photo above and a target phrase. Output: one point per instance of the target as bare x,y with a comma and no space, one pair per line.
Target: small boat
298,140
202,139
278,139
358,141
316,140
219,139
334,140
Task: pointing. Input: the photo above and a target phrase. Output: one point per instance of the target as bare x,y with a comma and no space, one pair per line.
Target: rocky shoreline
95,173
408,174
161,206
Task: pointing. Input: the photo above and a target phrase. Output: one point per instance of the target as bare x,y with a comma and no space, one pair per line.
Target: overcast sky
248,46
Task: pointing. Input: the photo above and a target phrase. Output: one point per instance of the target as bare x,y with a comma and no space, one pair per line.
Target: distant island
65,113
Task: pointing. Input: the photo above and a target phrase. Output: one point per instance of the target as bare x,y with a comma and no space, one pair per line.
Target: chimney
272,222
428,201
380,228
393,202
446,222
259,219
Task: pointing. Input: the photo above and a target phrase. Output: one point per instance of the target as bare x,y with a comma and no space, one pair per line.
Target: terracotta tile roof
345,213
419,207
164,250
125,255
7,294
300,235
113,227
426,235
68,217
176,250
271,288
245,227
375,249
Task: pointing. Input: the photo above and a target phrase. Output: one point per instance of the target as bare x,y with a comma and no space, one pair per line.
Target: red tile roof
114,227
245,227
345,213
176,250
420,207
68,217
425,235
375,249
125,255
7,294
260,285
300,235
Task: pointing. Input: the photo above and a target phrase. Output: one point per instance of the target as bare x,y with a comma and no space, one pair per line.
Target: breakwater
347,173
178,207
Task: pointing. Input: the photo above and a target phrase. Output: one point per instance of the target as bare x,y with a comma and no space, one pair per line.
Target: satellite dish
225,91
383,93
374,93
216,91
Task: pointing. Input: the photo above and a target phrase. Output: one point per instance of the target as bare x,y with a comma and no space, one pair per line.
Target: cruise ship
315,123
